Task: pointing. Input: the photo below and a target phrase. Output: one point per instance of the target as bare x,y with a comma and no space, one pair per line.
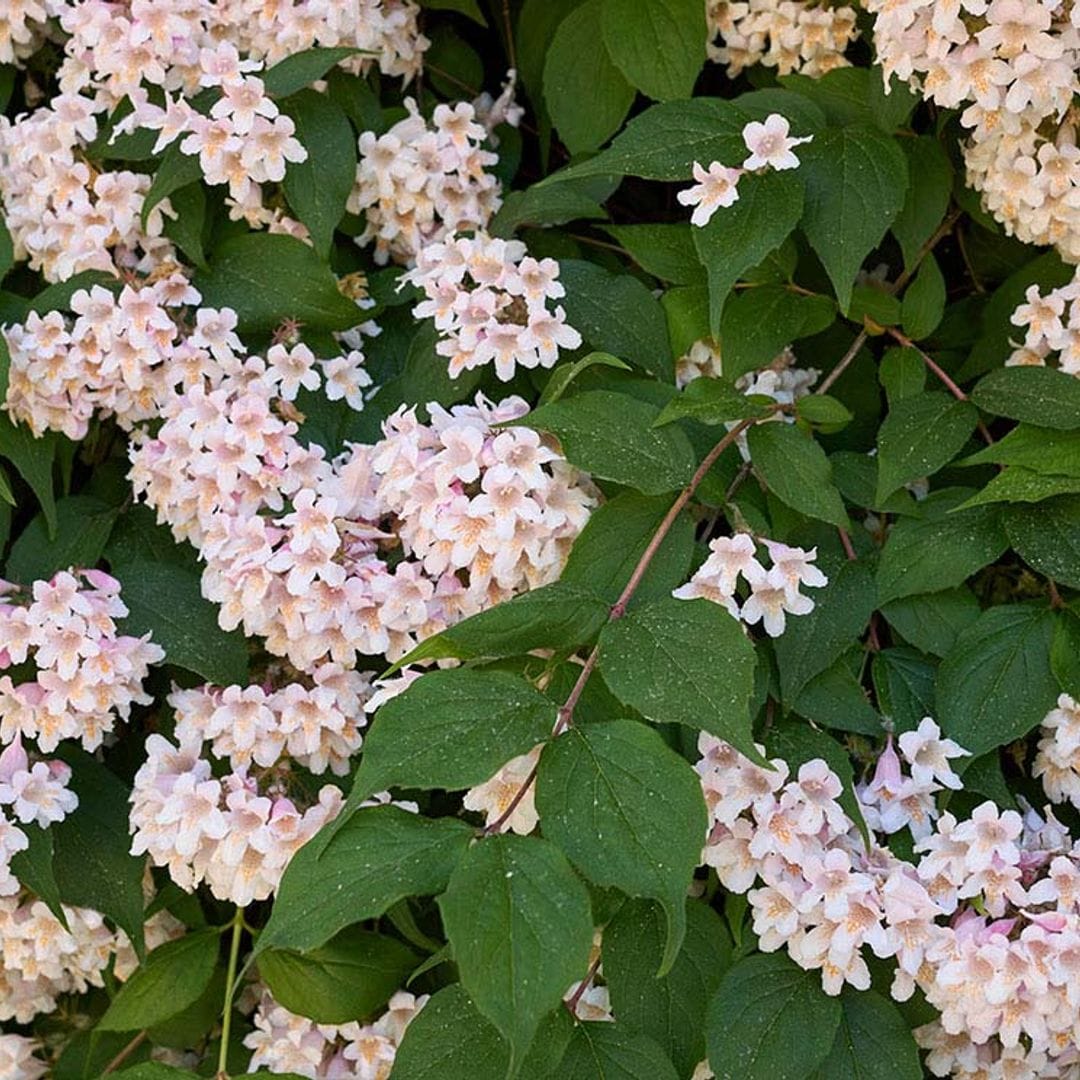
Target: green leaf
536,26
961,543
902,373
664,250
302,69
1019,485
586,95
1047,537
921,434
904,684
357,868
670,1010
557,616
873,1041
739,236
795,469
836,698
186,229
348,978
872,304
617,314
1065,653
33,460
683,662
770,1020
451,729
1036,395
758,323
155,1070
614,539
856,179
712,402
520,923
33,866
664,141
171,978
318,188
546,206
562,377
267,278
629,813
823,410
7,250
996,683
930,181
601,1051
165,600
810,643
659,45
469,8
611,436
91,848
176,170
83,527
933,621
88,1052
924,301
1037,448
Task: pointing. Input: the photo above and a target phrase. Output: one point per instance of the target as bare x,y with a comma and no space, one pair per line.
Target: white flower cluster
217,805
63,214
489,300
40,961
296,547
788,35
17,1061
891,801
986,924
1057,760
1014,64
416,183
1051,328
285,1042
87,675
22,29
774,592
769,146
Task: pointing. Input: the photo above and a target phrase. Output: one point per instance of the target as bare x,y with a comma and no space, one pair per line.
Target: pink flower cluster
218,805
986,924
296,546
22,29
774,592
489,301
417,183
1013,64
17,1061
87,674
285,1042
1057,760
788,35
1051,326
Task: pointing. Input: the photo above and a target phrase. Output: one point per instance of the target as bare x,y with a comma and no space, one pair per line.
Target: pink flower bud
13,760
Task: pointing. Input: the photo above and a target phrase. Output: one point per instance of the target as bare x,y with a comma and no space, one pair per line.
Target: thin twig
845,362
572,1002
125,1053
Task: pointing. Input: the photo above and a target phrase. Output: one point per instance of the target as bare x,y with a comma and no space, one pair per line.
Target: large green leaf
267,278
520,924
347,978
363,866
452,729
930,180
796,470
904,684
1036,395
712,402
685,662
172,977
856,178
1041,449
1048,537
587,96
33,459
611,436
670,1009
318,187
770,1020
921,434
932,621
659,45
84,524
739,236
873,1041
600,1051
617,313
996,684
301,69
629,813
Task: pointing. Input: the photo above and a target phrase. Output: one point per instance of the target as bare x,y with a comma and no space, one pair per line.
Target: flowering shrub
539,539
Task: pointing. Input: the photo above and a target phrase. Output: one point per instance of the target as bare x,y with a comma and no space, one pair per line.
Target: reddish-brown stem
1055,597
572,1002
845,361
618,609
124,1054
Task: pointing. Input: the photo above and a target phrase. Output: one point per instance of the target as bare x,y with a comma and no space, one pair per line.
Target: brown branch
125,1053
845,362
572,1003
